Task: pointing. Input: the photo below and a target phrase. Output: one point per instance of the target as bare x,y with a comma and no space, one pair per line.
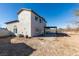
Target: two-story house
29,23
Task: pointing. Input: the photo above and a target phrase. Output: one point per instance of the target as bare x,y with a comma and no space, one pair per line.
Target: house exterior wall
37,25
10,27
25,22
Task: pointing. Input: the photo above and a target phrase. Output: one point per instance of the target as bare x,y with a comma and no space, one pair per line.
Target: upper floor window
40,20
36,18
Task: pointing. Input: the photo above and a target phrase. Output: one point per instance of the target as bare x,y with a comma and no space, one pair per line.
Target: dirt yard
41,46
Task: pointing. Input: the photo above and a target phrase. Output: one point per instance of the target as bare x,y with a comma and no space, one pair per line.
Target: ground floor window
15,29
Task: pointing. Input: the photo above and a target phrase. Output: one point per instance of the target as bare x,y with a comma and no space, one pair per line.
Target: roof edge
31,11
11,21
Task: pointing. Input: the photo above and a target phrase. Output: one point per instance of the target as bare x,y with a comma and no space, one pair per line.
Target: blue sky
55,14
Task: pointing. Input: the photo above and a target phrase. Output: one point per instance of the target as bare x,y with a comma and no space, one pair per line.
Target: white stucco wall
25,22
10,27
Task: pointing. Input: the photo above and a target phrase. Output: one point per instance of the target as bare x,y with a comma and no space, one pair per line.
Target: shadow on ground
9,49
51,34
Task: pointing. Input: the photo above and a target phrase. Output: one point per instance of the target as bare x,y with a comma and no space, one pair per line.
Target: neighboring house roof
4,32
31,11
12,21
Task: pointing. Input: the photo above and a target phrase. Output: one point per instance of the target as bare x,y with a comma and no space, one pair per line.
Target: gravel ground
14,49
53,46
41,46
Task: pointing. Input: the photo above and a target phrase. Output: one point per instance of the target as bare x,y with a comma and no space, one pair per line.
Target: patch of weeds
56,40
29,37
41,39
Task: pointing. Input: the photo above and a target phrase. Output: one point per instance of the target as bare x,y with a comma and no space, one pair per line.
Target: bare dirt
57,46
40,46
